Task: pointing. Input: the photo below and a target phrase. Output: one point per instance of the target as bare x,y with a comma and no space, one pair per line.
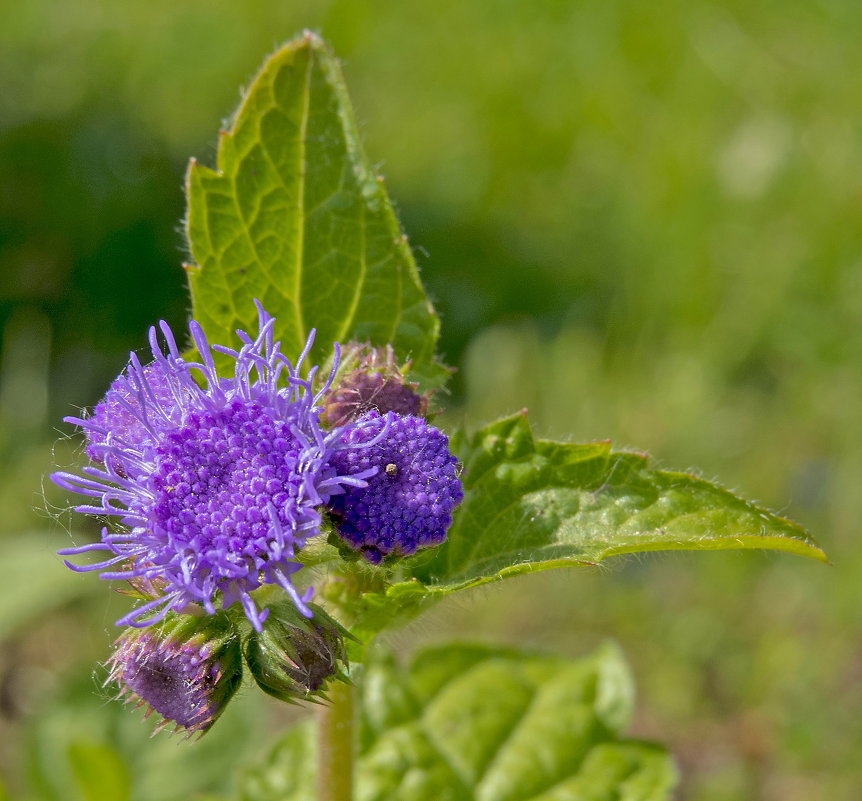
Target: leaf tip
819,554
194,172
312,40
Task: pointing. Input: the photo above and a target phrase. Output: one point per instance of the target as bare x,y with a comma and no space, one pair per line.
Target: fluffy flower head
214,480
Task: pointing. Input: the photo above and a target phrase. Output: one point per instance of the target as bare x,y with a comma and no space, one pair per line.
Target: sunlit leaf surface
294,215
534,505
471,723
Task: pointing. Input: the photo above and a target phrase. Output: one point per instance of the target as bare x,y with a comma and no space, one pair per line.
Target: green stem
335,746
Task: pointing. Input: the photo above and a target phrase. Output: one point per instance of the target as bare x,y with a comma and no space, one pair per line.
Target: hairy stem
335,747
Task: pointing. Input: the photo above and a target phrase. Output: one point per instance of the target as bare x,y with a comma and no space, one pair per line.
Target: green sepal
293,658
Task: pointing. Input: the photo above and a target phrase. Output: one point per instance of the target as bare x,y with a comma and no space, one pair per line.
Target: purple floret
175,682
118,414
214,485
186,681
408,503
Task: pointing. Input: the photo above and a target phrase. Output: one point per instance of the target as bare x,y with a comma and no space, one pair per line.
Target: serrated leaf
534,504
473,723
294,216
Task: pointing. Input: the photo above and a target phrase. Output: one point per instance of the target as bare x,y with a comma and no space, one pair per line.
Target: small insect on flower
215,484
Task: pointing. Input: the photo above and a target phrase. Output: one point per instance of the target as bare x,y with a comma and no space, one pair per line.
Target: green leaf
533,505
473,723
295,216
100,772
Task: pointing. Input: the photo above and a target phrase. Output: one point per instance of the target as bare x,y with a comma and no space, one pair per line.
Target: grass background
643,222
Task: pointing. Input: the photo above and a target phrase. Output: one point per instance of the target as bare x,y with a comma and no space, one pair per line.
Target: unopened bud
186,669
370,381
293,657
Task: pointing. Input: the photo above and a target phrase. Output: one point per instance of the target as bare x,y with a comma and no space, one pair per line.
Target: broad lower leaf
471,723
294,216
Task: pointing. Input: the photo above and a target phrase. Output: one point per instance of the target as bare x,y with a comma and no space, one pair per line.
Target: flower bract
294,658
374,383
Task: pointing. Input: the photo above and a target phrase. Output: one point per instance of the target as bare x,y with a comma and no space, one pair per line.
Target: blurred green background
641,221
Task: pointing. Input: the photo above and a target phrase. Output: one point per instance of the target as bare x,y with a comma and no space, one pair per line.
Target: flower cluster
215,486
215,482
408,504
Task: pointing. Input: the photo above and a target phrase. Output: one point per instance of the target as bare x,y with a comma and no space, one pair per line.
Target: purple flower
118,414
408,503
186,669
215,483
369,380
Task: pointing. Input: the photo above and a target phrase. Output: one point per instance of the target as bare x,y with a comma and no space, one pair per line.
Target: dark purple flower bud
186,669
293,657
408,503
372,381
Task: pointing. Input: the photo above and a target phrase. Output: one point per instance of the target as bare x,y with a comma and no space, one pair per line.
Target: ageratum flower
375,383
185,669
408,503
214,480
